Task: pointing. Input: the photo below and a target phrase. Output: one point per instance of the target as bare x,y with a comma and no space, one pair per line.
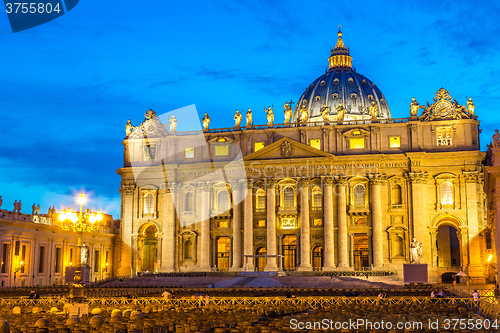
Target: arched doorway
448,247
289,252
360,251
260,263
147,248
317,258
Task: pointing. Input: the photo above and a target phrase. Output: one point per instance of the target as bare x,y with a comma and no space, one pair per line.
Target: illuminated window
443,136
149,152
357,143
149,204
316,143
259,145
446,193
359,195
223,224
261,223
288,197
223,201
396,196
5,257
317,222
394,141
221,150
189,153
189,202
316,197
261,199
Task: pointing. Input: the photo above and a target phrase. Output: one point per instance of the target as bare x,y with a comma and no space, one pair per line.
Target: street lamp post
79,222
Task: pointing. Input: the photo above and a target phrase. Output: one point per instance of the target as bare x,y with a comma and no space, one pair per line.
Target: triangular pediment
286,148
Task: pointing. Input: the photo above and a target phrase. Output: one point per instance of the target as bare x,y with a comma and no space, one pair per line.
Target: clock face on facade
442,109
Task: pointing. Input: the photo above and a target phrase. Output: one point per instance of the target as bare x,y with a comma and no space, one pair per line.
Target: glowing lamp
92,219
81,199
490,257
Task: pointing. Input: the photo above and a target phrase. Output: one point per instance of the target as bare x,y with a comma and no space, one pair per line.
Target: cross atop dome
339,56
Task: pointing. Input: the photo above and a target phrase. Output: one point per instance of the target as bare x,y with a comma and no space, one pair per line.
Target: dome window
351,80
336,81
353,97
318,98
364,82
335,96
322,83
370,98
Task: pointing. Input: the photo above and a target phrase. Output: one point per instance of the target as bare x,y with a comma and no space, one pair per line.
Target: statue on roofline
414,106
249,118
237,119
288,112
270,116
470,106
206,121
325,113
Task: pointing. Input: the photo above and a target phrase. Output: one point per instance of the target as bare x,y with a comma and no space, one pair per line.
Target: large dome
341,86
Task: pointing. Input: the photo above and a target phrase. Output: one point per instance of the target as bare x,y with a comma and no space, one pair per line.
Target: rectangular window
357,143
316,143
97,261
189,153
58,260
222,150
149,152
107,260
394,141
70,256
41,259
443,136
488,240
261,223
23,258
223,224
259,145
5,257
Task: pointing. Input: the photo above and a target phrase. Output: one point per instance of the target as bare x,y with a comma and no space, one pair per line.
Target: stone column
340,191
305,227
248,226
476,266
351,250
370,248
417,179
167,254
329,252
271,223
238,189
433,234
127,210
204,187
377,226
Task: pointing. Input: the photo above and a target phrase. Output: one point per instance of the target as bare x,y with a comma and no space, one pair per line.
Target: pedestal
415,273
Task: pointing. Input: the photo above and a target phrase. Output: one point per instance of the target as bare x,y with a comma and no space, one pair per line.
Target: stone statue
270,116
325,113
415,251
237,118
340,112
470,106
288,112
496,139
150,114
249,118
173,124
128,128
373,110
38,209
1,201
33,209
85,254
414,106
206,121
17,206
303,114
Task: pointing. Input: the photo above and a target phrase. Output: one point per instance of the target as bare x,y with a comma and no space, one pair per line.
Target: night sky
69,86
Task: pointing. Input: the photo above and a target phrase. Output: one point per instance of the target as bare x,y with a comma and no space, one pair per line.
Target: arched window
260,199
223,201
359,195
317,198
188,249
396,196
446,193
317,258
288,197
149,204
189,202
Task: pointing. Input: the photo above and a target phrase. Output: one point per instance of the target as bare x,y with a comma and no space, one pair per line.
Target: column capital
377,178
471,176
304,182
271,182
416,177
328,180
341,180
351,235
128,188
203,186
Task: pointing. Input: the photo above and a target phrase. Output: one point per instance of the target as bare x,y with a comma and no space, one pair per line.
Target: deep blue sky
69,86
